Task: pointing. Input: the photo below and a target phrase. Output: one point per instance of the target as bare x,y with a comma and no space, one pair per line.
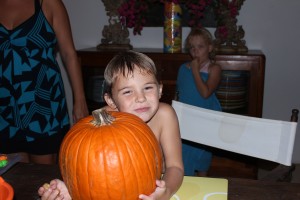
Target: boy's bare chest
155,126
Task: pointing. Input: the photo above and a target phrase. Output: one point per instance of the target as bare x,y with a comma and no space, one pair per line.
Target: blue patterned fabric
195,158
32,99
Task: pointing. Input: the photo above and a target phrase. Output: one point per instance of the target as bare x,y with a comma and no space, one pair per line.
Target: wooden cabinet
241,90
247,70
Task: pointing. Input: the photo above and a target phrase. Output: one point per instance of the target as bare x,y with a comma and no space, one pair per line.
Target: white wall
270,26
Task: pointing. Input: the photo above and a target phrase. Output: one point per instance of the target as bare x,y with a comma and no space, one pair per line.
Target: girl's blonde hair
124,63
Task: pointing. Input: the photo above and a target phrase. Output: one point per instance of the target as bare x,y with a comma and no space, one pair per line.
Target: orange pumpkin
6,191
111,157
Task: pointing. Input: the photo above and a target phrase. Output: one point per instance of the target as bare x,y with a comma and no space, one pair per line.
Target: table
27,178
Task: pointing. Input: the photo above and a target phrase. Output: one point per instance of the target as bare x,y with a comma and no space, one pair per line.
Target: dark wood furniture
27,178
94,61
247,69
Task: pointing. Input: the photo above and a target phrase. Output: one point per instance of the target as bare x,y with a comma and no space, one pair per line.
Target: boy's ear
110,102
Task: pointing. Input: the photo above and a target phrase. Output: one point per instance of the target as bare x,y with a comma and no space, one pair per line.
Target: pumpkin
110,156
6,191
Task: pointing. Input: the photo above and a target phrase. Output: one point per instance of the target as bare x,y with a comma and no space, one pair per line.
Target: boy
132,86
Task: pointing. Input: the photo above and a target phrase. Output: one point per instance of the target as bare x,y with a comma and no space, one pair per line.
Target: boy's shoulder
165,108
163,105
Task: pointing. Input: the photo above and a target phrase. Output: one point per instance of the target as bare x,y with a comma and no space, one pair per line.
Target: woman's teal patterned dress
33,108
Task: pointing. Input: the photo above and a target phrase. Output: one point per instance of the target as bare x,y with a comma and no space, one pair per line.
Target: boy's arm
170,141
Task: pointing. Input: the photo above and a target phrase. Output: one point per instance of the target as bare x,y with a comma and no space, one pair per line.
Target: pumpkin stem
102,117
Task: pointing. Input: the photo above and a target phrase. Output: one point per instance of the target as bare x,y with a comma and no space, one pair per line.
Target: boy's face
138,94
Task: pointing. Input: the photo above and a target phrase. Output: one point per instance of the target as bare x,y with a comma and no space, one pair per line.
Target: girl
196,84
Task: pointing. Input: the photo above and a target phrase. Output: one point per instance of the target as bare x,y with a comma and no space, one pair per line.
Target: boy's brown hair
124,63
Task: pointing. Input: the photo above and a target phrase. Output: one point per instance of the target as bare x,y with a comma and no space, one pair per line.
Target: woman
34,117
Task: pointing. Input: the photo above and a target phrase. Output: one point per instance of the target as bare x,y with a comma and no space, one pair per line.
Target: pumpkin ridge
104,161
155,150
113,141
91,138
66,164
133,123
75,138
142,148
105,171
104,165
102,170
78,157
132,161
121,170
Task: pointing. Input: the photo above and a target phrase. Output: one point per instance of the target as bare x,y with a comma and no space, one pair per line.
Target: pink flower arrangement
133,12
226,12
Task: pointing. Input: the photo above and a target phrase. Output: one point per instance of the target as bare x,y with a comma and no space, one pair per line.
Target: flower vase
172,27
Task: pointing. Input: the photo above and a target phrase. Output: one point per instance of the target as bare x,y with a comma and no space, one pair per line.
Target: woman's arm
57,15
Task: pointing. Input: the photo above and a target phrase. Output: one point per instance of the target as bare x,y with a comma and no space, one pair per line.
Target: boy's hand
56,190
158,193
